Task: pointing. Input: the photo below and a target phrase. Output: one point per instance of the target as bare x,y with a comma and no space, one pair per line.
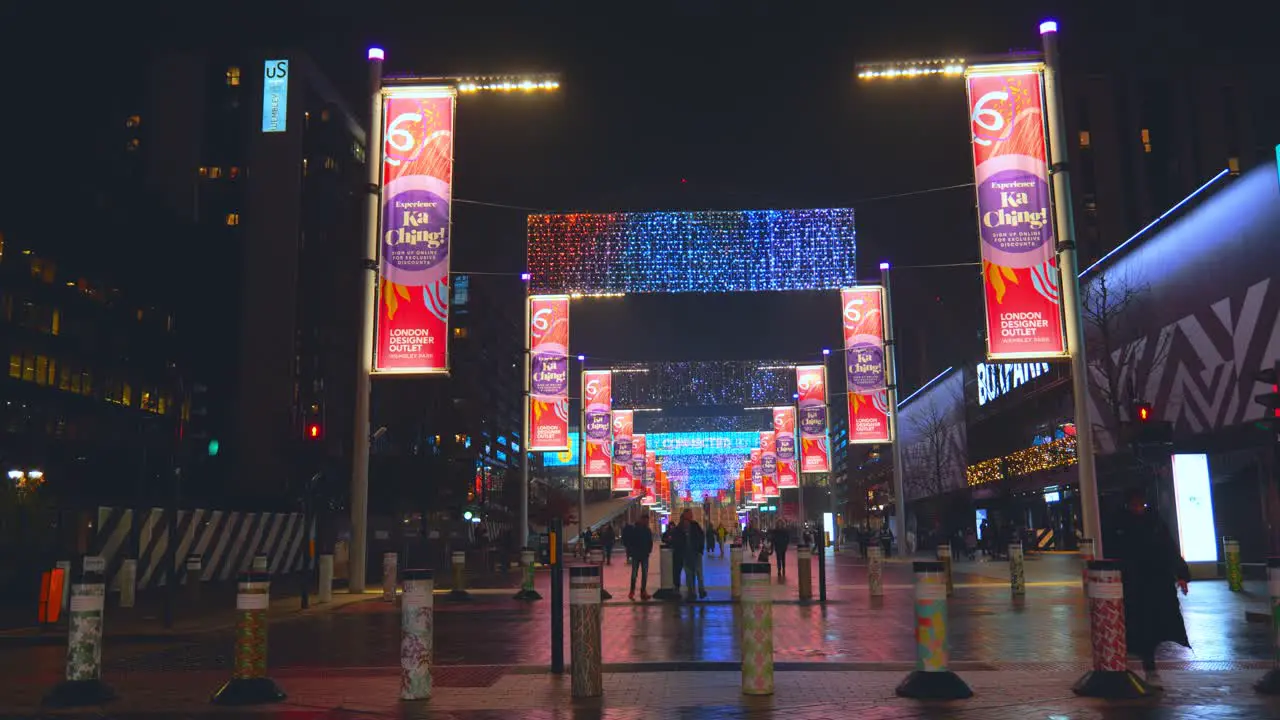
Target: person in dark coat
679,542
1153,572
780,538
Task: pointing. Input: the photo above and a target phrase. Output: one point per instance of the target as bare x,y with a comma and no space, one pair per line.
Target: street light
26,480
1065,225
369,288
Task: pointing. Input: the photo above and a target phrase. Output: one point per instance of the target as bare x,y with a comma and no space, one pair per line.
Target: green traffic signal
213,447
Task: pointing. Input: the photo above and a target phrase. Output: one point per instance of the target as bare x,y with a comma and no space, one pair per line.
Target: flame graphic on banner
392,293
997,275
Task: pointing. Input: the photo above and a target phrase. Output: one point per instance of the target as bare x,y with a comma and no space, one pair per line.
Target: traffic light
313,423
314,431
1142,412
1146,431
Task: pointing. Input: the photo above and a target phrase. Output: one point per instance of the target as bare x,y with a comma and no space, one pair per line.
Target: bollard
64,598
417,625
804,578
585,651
1086,554
326,578
597,558
822,569
194,571
390,567
875,570
944,556
555,555
1235,573
932,680
757,629
1017,577
83,684
260,563
128,582
459,589
666,576
526,584
249,684
735,571
1269,684
1110,676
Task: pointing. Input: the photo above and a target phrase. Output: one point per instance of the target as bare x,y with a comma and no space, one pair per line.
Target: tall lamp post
891,366
1066,251
362,438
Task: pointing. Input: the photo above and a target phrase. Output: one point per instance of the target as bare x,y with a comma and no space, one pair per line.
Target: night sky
702,108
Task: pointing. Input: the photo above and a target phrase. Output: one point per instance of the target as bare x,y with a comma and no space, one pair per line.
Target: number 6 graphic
986,118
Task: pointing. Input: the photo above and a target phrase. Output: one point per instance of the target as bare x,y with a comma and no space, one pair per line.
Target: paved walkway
679,659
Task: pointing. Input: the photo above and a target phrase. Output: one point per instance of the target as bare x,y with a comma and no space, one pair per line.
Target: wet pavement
493,649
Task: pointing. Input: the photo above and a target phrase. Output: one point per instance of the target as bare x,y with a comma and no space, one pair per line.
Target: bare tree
935,454
1123,355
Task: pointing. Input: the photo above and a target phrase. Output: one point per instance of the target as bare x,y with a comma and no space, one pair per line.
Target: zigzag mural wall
226,542
1211,318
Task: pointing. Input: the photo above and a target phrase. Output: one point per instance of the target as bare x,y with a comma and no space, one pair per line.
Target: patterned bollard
1235,573
459,563
526,584
666,576
735,571
586,652
417,627
390,568
757,629
1086,554
1017,576
875,571
932,680
83,684
597,558
944,556
1110,677
326,578
249,684
1269,684
804,578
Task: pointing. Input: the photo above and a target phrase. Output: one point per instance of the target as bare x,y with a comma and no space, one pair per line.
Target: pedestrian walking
607,539
679,542
971,543
696,541
886,539
723,536
712,537
780,538
637,542
1153,572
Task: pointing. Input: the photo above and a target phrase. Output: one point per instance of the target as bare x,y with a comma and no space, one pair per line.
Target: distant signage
275,95
997,379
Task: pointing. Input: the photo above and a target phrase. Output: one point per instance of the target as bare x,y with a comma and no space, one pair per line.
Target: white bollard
390,566
326,578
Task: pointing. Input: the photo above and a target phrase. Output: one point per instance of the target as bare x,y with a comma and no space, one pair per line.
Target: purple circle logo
786,447
597,425
866,367
415,230
1014,206
813,420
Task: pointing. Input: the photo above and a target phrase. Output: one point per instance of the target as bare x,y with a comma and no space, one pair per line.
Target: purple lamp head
1048,26
884,266
377,53
581,358
826,351
524,276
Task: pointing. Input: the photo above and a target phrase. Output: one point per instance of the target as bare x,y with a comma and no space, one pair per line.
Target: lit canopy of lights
738,384
664,422
684,252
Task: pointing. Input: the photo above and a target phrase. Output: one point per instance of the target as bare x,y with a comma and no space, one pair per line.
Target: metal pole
891,366
582,457
359,546
1070,282
171,547
524,437
557,596
819,543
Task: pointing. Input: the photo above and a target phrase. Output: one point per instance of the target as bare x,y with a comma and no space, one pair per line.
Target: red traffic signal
1143,412
314,431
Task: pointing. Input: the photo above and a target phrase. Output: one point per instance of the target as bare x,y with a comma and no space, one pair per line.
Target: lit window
55,325
459,332
215,173
233,219
1146,140
15,365
329,163
1084,140
204,171
133,121
139,314
233,172
126,395
304,167
1233,164
132,145
233,76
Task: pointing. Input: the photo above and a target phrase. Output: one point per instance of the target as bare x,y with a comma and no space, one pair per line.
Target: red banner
597,394
864,368
1015,217
784,432
623,421
769,463
650,476
412,320
638,460
548,372
811,410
